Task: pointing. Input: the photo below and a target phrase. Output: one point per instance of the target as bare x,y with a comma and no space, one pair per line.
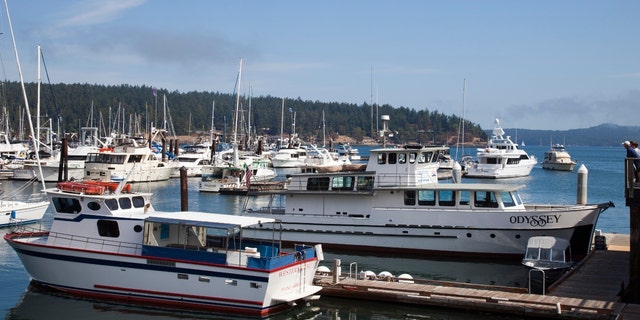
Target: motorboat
548,253
502,158
290,157
193,158
107,242
236,177
397,206
128,160
14,211
558,159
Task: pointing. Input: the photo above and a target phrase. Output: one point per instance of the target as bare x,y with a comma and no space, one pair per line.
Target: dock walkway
591,291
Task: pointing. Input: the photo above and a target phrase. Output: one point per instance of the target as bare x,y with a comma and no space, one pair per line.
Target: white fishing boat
502,158
397,206
235,177
558,159
107,242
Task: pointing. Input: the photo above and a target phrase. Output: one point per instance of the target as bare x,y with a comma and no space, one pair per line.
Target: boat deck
590,291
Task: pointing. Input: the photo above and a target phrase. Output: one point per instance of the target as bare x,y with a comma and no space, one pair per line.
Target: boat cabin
547,253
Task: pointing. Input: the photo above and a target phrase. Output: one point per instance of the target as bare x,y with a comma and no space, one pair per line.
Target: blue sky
536,65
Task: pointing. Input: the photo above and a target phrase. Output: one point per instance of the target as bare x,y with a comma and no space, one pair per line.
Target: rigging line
53,96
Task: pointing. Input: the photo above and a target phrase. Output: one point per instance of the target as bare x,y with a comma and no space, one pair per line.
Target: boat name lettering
287,272
535,221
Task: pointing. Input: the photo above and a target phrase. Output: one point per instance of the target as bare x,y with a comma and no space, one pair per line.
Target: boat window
557,255
545,254
410,198
393,158
318,184
516,198
125,203
427,197
513,161
108,228
66,205
465,197
507,200
402,158
446,198
485,199
412,157
492,160
365,183
93,206
422,158
138,202
112,204
382,158
532,253
342,183
135,158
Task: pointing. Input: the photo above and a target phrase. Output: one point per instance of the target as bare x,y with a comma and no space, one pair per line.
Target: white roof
548,242
205,219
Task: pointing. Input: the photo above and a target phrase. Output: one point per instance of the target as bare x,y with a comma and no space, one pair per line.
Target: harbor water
20,300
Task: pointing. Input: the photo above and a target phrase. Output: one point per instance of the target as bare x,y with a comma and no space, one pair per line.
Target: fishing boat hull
160,281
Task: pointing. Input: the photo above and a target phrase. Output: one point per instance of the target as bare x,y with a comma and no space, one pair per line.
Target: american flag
248,174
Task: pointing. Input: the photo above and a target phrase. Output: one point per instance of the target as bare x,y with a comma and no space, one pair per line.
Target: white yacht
502,158
558,159
397,206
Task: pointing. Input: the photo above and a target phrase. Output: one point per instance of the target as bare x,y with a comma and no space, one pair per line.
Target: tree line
123,107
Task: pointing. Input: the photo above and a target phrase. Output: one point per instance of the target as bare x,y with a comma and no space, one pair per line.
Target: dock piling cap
582,169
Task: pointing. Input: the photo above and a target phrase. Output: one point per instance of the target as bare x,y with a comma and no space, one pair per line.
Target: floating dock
592,290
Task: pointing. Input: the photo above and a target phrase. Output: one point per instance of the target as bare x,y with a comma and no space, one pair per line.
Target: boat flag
248,174
155,92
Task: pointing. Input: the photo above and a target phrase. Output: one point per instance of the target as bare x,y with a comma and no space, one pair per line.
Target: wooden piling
184,197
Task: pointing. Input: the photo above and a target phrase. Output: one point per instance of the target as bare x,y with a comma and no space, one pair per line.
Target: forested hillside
190,112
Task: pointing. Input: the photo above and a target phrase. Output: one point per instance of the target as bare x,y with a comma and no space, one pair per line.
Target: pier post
184,197
581,193
632,200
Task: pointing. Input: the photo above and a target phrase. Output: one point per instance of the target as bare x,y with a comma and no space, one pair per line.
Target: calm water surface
18,300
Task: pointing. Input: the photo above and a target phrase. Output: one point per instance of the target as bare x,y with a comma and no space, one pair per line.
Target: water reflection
39,303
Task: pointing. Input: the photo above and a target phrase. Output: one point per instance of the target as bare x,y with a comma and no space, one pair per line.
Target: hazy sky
534,64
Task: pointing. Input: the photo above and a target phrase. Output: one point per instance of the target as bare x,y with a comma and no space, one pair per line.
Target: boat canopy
547,242
207,220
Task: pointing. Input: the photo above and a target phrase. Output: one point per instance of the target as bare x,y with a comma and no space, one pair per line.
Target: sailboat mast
235,125
464,88
281,124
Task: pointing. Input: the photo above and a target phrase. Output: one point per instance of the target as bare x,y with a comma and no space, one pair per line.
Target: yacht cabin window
412,157
447,198
465,197
507,199
409,197
365,184
342,183
427,197
318,183
95,206
485,199
135,158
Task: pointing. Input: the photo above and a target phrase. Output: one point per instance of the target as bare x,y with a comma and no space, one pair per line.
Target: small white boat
548,253
17,212
558,159
502,158
107,242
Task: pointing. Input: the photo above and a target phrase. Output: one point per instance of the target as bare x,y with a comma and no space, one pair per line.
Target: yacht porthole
137,228
468,235
93,206
492,236
517,236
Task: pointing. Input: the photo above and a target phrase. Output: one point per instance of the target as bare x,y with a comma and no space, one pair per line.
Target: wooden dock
591,291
